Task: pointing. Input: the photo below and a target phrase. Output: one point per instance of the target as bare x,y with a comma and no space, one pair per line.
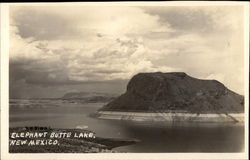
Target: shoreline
172,117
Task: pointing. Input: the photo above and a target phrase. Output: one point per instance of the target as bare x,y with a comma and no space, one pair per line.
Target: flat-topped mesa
178,92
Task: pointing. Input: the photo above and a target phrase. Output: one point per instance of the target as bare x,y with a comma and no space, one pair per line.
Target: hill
88,97
176,92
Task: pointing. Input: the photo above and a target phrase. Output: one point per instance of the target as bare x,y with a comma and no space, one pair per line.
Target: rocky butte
174,97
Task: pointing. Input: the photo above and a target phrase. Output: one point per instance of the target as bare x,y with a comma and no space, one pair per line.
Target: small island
175,97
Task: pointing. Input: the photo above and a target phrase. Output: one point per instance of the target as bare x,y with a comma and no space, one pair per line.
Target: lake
155,137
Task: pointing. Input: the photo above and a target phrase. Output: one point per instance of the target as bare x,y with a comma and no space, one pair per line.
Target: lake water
154,136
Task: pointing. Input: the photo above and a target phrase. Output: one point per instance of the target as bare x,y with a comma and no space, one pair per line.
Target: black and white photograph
94,78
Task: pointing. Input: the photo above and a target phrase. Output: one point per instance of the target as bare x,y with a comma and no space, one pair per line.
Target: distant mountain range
89,97
176,91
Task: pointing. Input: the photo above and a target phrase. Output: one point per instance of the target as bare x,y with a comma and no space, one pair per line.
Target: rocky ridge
176,92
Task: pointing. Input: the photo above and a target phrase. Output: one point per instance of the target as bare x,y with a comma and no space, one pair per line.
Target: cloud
201,20
44,26
81,22
84,58
184,18
79,45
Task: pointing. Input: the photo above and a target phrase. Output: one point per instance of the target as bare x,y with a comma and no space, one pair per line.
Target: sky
60,49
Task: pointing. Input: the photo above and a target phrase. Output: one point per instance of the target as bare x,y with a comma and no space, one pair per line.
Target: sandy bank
172,117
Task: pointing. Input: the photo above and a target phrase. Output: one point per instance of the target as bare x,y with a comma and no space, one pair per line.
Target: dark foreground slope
176,91
25,141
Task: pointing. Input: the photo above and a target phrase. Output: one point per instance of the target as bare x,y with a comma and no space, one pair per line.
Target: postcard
124,80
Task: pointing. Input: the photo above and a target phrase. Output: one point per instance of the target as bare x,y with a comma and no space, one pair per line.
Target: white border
4,79
136,3
5,88
246,66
